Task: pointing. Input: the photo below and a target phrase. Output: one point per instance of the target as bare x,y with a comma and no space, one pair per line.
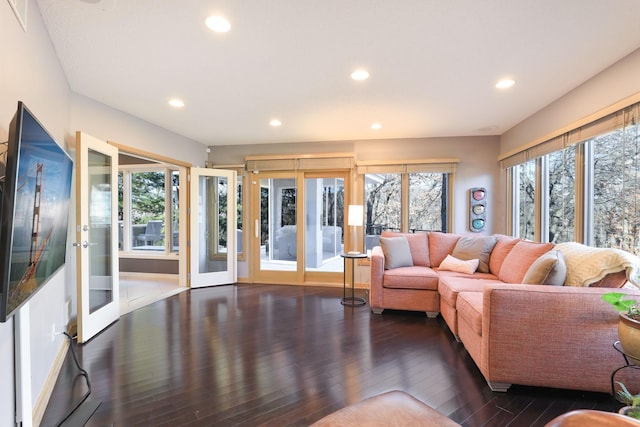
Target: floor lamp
355,218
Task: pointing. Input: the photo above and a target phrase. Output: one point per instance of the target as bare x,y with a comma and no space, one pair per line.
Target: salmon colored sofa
515,324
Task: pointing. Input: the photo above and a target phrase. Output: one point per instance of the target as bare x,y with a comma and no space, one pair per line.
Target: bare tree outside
562,195
382,194
526,206
616,195
426,202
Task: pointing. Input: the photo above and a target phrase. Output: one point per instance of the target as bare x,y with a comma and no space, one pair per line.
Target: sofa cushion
450,286
549,269
396,252
452,263
469,307
475,275
476,247
441,245
419,245
520,258
500,251
416,277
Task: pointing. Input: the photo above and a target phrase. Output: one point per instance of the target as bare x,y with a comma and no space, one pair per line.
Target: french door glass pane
427,207
324,216
278,228
212,233
99,243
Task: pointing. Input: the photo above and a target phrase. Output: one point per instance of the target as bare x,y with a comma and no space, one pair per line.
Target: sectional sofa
527,313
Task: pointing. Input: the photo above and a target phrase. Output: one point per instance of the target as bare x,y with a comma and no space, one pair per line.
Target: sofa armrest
377,277
554,336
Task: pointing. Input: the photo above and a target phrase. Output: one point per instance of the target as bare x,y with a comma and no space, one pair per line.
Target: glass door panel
275,237
278,231
324,220
213,225
97,237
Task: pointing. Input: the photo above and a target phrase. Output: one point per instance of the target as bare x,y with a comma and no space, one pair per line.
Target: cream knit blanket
587,265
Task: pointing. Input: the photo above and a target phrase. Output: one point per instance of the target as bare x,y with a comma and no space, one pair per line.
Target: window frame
405,168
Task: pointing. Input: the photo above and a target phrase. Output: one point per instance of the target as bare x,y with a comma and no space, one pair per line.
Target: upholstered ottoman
394,408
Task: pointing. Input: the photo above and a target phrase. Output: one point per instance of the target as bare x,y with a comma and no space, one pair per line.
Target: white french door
96,235
213,257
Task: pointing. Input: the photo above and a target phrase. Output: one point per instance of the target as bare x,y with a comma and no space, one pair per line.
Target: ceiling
433,64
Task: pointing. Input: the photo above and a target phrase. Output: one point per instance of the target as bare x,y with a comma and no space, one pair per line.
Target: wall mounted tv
34,213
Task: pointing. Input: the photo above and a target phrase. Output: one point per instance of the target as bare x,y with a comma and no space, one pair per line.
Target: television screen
35,211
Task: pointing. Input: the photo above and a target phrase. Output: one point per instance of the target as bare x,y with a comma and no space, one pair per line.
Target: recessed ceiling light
505,83
275,123
218,24
360,74
178,103
376,126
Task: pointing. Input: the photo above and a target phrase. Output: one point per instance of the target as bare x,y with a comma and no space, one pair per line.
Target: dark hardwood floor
285,355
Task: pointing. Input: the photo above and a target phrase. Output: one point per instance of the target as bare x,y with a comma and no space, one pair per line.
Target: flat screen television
36,189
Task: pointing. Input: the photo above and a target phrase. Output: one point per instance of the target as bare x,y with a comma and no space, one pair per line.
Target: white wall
105,123
614,84
30,72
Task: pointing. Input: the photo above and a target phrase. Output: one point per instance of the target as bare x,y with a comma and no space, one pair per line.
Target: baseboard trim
47,389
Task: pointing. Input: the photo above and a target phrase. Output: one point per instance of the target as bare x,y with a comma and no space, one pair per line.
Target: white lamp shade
355,216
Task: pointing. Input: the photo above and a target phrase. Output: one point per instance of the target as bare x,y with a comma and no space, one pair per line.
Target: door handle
84,244
257,229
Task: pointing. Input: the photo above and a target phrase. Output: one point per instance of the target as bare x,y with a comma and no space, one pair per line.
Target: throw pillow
396,252
460,266
549,269
520,258
476,247
418,243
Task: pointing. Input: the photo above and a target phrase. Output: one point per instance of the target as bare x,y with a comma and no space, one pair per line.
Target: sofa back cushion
520,258
396,252
475,247
500,251
419,245
441,245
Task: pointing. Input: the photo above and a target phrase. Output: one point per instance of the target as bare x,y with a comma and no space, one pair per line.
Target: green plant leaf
617,301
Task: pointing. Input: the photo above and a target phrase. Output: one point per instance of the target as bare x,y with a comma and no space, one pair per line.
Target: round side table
353,300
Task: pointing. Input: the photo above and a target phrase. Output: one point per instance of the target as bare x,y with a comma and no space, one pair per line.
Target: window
407,197
427,201
589,180
148,209
382,195
562,194
526,198
616,196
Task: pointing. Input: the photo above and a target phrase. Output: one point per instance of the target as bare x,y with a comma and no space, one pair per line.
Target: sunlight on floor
136,291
